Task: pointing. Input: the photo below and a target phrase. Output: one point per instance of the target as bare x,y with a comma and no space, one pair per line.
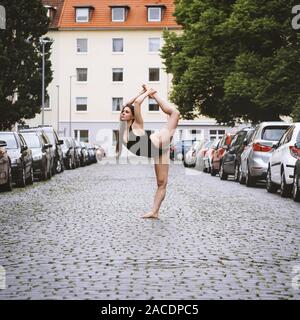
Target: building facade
102,52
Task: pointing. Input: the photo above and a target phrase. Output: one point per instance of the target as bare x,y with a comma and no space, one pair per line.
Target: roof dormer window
83,13
119,13
155,12
50,11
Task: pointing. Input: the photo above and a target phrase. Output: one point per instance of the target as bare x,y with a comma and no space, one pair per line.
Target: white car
282,162
189,159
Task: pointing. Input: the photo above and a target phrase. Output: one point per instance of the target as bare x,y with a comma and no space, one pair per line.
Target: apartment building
102,52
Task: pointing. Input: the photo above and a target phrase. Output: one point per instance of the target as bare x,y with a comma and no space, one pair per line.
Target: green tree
296,111
21,61
235,60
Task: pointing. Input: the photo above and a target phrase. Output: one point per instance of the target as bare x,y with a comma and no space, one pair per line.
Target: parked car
208,158
20,156
69,153
5,168
58,166
100,152
178,150
84,154
231,161
201,155
282,162
189,159
42,152
255,158
91,153
296,182
78,153
218,153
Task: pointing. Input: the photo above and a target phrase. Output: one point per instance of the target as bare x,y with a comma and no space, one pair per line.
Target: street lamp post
70,115
43,42
57,86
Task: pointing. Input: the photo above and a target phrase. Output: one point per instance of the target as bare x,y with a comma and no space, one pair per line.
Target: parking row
38,153
268,152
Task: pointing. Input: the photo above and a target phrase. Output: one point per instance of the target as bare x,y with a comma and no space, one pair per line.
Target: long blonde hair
122,128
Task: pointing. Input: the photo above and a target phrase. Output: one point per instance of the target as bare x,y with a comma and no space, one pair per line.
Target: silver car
255,157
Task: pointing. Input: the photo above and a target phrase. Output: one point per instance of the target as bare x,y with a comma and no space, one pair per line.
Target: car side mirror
24,148
3,144
245,142
225,147
275,145
60,141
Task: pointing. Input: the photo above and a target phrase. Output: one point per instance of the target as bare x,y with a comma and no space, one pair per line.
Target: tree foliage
236,60
21,61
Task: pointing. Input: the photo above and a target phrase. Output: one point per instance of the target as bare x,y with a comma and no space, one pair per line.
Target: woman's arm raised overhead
137,105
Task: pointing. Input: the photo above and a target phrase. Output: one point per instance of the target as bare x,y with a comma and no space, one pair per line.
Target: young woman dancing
155,145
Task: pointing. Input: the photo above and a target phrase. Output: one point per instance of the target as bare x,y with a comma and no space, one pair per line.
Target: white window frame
87,46
79,135
112,104
77,15
77,81
159,75
117,52
160,14
81,111
112,73
152,111
112,14
151,38
49,108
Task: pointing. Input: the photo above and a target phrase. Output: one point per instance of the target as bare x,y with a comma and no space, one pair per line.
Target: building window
154,44
82,135
81,104
82,45
117,103
118,14
47,102
115,136
154,14
216,134
81,74
117,74
153,105
117,45
153,74
82,14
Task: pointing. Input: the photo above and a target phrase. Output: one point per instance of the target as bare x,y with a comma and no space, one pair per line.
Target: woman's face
126,114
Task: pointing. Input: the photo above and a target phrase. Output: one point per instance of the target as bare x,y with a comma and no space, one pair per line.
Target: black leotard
143,145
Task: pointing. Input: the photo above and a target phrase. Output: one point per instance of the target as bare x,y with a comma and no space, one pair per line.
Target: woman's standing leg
161,167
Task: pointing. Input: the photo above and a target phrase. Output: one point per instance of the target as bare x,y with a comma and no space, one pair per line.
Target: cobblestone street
81,236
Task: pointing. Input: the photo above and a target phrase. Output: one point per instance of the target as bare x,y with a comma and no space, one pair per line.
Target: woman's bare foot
152,215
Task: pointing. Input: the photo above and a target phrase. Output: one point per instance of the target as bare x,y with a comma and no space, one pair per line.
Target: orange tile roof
101,18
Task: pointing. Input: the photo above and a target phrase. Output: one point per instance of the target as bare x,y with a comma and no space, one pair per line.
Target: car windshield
273,133
10,140
32,140
50,135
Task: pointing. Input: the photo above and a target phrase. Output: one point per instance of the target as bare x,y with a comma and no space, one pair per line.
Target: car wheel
22,181
241,176
271,186
8,185
250,181
296,188
237,172
59,168
30,179
222,174
213,172
285,190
